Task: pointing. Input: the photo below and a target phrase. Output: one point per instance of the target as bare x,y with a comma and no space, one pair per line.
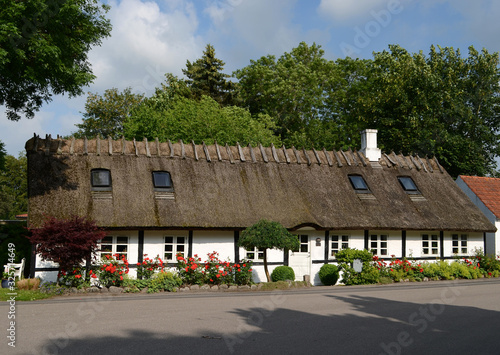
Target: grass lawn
23,295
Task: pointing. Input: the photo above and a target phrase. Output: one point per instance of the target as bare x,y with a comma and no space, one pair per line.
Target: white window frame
254,254
430,244
378,244
459,244
303,244
176,247
118,246
341,241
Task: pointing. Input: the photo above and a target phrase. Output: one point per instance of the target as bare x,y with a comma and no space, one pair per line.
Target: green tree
268,235
294,90
104,115
16,234
440,104
43,50
205,77
14,187
199,120
3,153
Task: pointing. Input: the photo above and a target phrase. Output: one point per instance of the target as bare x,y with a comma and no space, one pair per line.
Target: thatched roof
233,187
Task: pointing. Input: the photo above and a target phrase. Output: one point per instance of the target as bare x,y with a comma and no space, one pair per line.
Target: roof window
359,184
162,181
100,179
408,185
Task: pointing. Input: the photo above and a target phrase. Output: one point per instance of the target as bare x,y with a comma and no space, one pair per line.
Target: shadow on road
366,325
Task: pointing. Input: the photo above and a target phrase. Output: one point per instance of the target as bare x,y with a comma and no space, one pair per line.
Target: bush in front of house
328,274
369,273
164,281
283,273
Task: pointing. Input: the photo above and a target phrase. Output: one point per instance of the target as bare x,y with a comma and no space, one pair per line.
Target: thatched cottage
162,198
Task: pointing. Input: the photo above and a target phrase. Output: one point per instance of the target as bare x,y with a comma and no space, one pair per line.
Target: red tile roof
487,190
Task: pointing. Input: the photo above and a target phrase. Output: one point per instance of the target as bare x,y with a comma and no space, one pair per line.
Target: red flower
187,269
121,277
78,276
138,264
94,276
218,275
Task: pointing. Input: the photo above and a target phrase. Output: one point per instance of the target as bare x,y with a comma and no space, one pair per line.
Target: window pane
303,239
161,179
122,240
335,245
169,239
181,240
101,178
303,248
180,247
168,256
106,248
169,247
107,240
407,183
121,248
358,182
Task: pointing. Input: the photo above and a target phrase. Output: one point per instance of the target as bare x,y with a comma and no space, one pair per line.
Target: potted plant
5,278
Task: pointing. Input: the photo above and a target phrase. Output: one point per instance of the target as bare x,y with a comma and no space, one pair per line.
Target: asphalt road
443,317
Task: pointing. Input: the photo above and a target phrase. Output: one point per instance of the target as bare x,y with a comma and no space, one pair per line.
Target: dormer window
408,185
359,184
162,181
100,179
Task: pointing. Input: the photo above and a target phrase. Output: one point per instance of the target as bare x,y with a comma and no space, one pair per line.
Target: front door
300,261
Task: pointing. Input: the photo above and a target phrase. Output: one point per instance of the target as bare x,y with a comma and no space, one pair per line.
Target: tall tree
14,187
294,90
43,50
201,120
440,104
205,77
104,115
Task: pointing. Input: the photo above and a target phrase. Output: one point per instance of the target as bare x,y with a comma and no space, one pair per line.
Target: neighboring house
485,193
165,198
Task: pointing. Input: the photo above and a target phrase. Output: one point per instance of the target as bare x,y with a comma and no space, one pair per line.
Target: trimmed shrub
329,274
283,273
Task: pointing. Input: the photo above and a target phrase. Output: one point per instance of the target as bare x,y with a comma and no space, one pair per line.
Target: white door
300,261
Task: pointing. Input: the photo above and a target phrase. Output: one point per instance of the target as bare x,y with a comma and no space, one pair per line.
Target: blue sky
151,38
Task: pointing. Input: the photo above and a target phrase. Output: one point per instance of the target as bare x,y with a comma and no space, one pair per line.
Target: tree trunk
265,266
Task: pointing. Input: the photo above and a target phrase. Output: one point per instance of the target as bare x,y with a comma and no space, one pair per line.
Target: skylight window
100,179
408,185
162,181
358,183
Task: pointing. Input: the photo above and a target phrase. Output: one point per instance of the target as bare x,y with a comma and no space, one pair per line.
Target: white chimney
369,145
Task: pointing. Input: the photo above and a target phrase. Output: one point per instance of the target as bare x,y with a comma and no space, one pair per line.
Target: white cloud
145,44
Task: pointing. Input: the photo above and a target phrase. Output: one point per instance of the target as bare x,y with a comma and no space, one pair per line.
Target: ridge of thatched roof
232,187
216,152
